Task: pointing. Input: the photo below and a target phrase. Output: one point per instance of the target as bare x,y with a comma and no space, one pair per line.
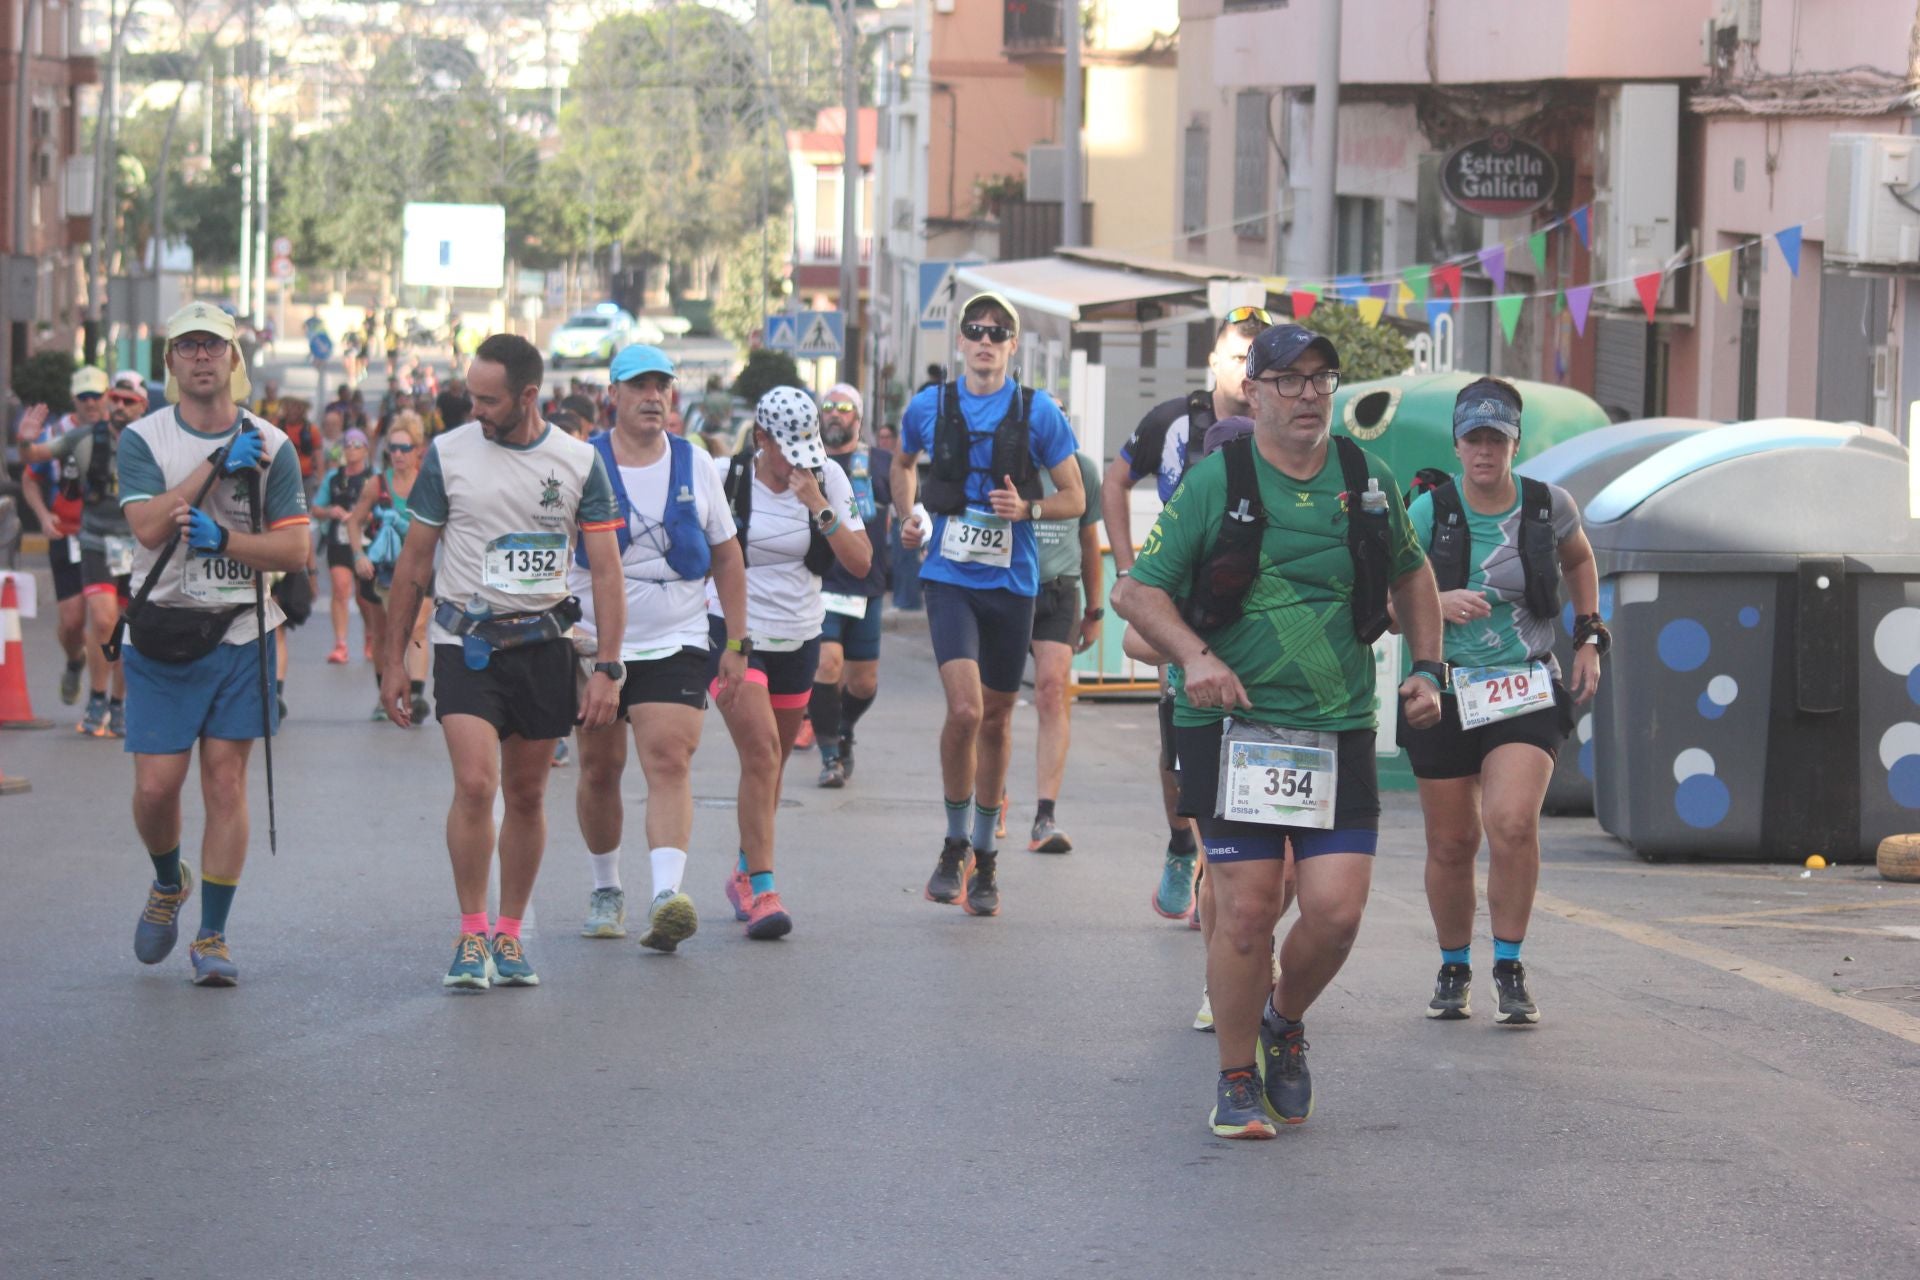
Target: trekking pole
254,484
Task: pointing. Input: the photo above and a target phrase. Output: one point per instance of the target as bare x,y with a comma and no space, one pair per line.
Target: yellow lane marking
1666,871
1725,917
1736,923
1771,977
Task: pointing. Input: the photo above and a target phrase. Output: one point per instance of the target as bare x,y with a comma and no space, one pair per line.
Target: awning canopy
1068,289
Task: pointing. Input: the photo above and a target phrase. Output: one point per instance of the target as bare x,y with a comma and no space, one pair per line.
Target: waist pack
178,636
295,594
511,631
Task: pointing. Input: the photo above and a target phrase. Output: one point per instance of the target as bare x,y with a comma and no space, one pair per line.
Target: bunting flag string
1717,265
1493,261
1370,309
1508,305
1537,250
1788,238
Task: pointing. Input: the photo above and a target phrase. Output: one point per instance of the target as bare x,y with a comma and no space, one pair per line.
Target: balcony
1031,26
826,248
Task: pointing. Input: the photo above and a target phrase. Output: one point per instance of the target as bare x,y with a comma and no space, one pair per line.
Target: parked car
592,337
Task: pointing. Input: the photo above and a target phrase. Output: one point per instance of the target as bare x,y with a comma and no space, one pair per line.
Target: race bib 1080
216,579
527,564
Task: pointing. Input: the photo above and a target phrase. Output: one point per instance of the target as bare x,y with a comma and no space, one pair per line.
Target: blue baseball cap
1487,402
1280,345
638,359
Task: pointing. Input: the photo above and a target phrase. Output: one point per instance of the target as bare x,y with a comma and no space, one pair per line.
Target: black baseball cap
1487,402
1281,345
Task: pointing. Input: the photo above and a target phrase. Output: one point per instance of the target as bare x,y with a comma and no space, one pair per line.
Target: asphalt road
898,1089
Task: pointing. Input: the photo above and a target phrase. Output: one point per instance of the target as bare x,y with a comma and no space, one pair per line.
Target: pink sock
507,926
475,923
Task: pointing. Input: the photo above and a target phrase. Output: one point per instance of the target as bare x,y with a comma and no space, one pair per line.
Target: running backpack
1452,546
946,488
688,554
739,486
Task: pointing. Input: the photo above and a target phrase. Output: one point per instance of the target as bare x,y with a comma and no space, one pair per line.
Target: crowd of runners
577,568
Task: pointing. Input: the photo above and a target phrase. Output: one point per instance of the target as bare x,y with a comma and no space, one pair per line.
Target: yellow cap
88,381
204,317
998,301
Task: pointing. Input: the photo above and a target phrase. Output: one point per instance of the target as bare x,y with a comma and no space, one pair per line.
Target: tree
46,377
1366,351
764,371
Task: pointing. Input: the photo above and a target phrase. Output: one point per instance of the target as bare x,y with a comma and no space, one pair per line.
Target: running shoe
983,895
1174,897
1237,1112
803,741
1047,837
1203,1020
740,893
421,711
1450,993
70,683
379,712
671,920
213,965
833,774
472,964
767,917
94,722
510,965
1517,1008
338,657
562,754
606,914
1284,1078
846,756
116,719
280,704
159,926
950,876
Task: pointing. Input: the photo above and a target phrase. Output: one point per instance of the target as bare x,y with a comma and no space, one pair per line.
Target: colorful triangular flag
1508,305
1415,279
1402,297
1577,299
1437,307
1446,279
1788,238
1370,309
1304,301
1537,247
1493,261
1583,227
1648,287
1275,284
1717,266
1347,288
1383,290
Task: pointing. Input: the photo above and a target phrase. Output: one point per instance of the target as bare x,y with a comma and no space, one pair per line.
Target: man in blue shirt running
987,439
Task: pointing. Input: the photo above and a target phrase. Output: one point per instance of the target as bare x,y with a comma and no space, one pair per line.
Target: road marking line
1742,923
1723,917
1772,977
1903,930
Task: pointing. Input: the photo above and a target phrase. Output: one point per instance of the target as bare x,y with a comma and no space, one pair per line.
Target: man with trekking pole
205,473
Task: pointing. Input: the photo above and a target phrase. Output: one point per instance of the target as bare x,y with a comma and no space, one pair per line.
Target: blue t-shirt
1049,441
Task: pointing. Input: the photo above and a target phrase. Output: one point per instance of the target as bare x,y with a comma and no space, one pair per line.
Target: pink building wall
984,117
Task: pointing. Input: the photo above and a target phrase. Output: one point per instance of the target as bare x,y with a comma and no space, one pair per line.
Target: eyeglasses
191,347
1240,315
1291,385
399,448
838,406
994,333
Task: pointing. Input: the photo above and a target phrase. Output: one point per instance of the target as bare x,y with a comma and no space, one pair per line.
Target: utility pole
1326,146
849,188
14,349
264,124
1070,194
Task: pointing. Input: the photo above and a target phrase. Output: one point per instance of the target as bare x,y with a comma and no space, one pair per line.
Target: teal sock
1504,950
1457,955
166,868
216,899
984,821
743,862
762,882
957,818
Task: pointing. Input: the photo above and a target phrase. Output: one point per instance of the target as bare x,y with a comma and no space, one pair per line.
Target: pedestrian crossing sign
781,333
822,335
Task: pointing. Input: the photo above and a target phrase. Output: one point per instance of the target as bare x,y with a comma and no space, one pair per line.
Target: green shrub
766,370
46,378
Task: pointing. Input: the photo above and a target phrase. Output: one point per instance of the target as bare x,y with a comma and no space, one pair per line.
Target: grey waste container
1763,700
1583,466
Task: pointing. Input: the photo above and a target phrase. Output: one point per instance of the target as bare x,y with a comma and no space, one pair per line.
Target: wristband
1588,629
1435,673
1095,614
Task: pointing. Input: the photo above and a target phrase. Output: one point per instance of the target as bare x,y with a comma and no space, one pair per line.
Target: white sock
668,866
606,869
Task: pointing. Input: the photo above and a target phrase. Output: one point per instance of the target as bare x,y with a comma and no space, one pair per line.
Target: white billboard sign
454,246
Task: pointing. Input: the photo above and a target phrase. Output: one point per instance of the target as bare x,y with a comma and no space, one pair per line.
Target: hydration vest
859,469
688,554
946,488
102,482
1200,417
1539,554
1222,580
739,487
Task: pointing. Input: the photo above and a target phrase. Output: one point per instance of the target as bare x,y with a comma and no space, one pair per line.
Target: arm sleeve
140,475
1180,535
286,502
1566,513
428,502
598,511
1090,481
1053,441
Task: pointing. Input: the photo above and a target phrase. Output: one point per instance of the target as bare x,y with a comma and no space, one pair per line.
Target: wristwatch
1094,614
1033,512
1436,672
614,671
743,646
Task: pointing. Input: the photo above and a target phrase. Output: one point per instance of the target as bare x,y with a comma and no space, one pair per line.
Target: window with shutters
1250,174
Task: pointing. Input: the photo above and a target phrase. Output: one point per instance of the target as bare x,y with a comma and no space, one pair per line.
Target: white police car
592,337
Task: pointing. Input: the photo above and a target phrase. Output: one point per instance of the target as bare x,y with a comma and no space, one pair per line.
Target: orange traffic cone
16,706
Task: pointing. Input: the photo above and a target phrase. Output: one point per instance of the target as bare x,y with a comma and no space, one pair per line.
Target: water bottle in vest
473,649
1373,502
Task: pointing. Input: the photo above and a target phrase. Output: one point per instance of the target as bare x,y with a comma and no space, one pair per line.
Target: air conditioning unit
1742,18
1046,172
1636,182
1873,207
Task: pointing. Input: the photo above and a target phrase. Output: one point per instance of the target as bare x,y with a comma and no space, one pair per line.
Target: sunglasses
400,448
200,346
126,397
86,397
1241,314
994,333
838,406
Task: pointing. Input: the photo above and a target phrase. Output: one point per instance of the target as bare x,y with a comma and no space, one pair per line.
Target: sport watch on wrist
1033,512
614,671
743,646
1437,672
1095,614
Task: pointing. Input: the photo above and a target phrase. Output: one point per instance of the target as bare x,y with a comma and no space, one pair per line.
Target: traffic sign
282,267
782,334
823,335
937,285
282,247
